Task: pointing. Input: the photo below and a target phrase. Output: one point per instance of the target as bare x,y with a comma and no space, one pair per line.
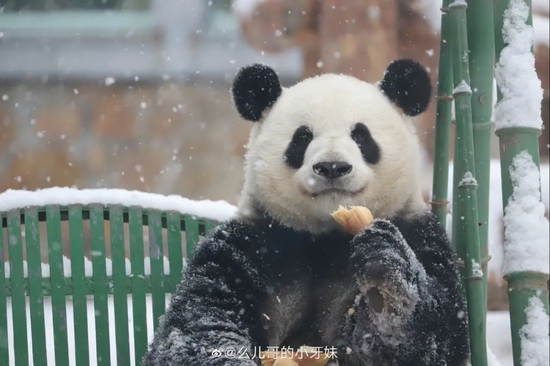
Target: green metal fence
120,236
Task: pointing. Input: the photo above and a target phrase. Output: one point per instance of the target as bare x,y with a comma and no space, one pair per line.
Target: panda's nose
332,169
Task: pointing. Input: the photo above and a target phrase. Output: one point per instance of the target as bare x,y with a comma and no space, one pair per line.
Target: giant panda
283,273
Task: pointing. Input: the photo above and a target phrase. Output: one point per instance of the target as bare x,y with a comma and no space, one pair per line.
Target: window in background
219,21
8,6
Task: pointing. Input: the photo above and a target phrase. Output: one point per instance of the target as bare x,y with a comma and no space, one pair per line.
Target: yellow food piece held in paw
353,220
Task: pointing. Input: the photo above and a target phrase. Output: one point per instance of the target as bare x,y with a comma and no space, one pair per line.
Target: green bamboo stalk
443,122
465,221
522,286
481,42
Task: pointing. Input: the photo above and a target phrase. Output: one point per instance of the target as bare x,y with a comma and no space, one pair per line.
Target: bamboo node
483,125
484,261
467,185
462,92
439,203
444,97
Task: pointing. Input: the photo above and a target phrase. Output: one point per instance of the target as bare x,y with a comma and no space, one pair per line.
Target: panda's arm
409,267
212,311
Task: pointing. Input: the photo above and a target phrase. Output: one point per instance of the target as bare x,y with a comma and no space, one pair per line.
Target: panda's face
328,141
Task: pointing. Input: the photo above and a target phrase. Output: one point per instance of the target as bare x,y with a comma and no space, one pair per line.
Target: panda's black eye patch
294,154
369,148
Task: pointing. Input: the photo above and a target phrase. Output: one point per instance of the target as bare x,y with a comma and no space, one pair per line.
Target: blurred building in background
127,94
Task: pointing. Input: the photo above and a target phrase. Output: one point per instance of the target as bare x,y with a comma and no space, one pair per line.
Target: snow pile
535,345
526,244
462,88
468,180
515,73
214,210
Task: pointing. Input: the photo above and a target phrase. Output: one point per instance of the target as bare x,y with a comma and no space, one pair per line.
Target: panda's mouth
334,191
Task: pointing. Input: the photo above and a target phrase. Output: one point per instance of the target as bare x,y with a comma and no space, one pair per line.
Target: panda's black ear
407,84
255,89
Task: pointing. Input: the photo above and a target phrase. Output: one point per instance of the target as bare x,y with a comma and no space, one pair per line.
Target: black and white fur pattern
284,274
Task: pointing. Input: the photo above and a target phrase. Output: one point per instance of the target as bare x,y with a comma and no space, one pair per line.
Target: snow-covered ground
498,333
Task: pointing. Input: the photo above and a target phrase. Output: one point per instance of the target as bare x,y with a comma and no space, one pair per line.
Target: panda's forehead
331,103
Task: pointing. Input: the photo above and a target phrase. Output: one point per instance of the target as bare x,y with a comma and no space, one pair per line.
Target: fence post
518,126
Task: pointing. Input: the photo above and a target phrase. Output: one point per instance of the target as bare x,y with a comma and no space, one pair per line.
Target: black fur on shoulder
407,84
255,89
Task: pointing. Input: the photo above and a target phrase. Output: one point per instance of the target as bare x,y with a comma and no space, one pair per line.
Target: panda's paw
386,269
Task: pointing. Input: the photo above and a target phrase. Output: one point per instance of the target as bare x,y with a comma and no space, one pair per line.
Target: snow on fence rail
63,196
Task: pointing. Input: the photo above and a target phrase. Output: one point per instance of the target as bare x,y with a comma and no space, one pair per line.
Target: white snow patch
245,8
468,180
109,81
515,73
458,3
526,230
463,87
476,269
535,345
214,210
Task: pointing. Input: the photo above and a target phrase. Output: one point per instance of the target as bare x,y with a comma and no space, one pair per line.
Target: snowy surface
498,333
535,347
515,73
526,243
468,180
496,212
463,87
215,210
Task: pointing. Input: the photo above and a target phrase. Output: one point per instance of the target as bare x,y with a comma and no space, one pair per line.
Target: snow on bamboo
534,335
515,72
526,229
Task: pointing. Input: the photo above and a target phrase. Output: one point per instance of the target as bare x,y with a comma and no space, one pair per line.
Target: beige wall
167,138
